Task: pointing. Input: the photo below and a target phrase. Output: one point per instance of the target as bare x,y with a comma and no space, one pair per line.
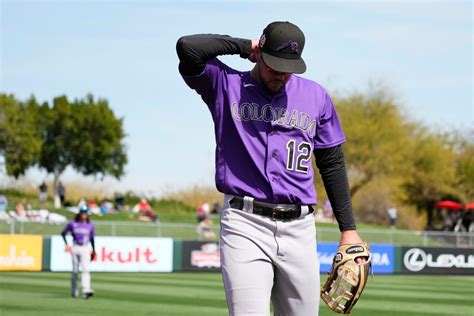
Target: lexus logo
415,259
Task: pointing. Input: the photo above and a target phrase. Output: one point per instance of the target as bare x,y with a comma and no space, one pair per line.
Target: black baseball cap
282,44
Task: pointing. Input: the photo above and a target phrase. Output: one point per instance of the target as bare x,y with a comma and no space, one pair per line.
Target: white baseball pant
266,260
81,255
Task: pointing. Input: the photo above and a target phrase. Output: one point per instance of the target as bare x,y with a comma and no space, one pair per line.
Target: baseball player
82,231
268,122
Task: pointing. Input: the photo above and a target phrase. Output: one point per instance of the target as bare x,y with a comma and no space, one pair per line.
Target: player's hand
349,237
93,256
253,51
68,248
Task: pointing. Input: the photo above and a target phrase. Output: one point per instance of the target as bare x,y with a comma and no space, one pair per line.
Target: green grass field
23,294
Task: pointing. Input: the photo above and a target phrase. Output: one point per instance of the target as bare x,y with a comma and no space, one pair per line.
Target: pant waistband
281,212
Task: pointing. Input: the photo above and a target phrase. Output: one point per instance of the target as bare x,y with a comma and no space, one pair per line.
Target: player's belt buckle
277,211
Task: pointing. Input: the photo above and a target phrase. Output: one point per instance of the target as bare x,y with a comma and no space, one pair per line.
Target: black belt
275,211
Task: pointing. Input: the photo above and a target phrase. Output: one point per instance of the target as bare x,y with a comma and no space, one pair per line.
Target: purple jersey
265,142
81,233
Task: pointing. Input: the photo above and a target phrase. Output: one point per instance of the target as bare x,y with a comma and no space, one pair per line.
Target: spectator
204,229
202,212
43,194
468,220
216,208
392,215
3,209
82,202
143,205
94,208
106,206
3,203
20,212
145,212
61,191
119,202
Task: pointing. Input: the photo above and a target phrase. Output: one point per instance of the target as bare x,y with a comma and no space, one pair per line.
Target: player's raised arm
195,50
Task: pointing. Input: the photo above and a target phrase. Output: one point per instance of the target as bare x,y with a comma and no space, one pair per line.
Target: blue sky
124,51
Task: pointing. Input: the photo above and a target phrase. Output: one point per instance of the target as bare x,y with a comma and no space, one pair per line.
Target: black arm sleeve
64,237
195,50
330,162
92,244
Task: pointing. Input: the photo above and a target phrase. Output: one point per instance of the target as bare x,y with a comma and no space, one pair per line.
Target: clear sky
124,51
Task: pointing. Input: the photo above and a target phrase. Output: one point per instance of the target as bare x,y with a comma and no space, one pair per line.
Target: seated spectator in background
94,208
204,229
202,212
3,209
34,215
143,205
81,203
106,206
145,212
20,211
3,203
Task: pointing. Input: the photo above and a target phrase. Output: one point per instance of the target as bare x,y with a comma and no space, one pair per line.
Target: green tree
465,167
415,165
377,138
20,141
84,135
432,172
100,140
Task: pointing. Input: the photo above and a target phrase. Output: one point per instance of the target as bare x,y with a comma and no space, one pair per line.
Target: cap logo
262,41
291,45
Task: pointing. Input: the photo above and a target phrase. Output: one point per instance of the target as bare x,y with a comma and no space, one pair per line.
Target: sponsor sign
128,254
201,256
21,252
425,260
383,258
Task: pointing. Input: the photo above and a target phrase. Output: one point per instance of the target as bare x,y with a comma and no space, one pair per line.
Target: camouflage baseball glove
346,279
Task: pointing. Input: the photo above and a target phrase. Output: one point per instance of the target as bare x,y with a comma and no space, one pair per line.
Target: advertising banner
126,254
205,256
21,252
424,260
383,257
200,256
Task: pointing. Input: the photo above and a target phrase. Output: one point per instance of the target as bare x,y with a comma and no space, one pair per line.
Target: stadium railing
183,231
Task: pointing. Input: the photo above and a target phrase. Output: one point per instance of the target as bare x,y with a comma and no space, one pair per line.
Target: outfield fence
182,231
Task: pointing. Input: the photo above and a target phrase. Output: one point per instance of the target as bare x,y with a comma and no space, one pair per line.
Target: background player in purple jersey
82,231
267,123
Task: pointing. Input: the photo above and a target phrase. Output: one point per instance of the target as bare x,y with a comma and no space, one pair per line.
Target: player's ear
258,53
